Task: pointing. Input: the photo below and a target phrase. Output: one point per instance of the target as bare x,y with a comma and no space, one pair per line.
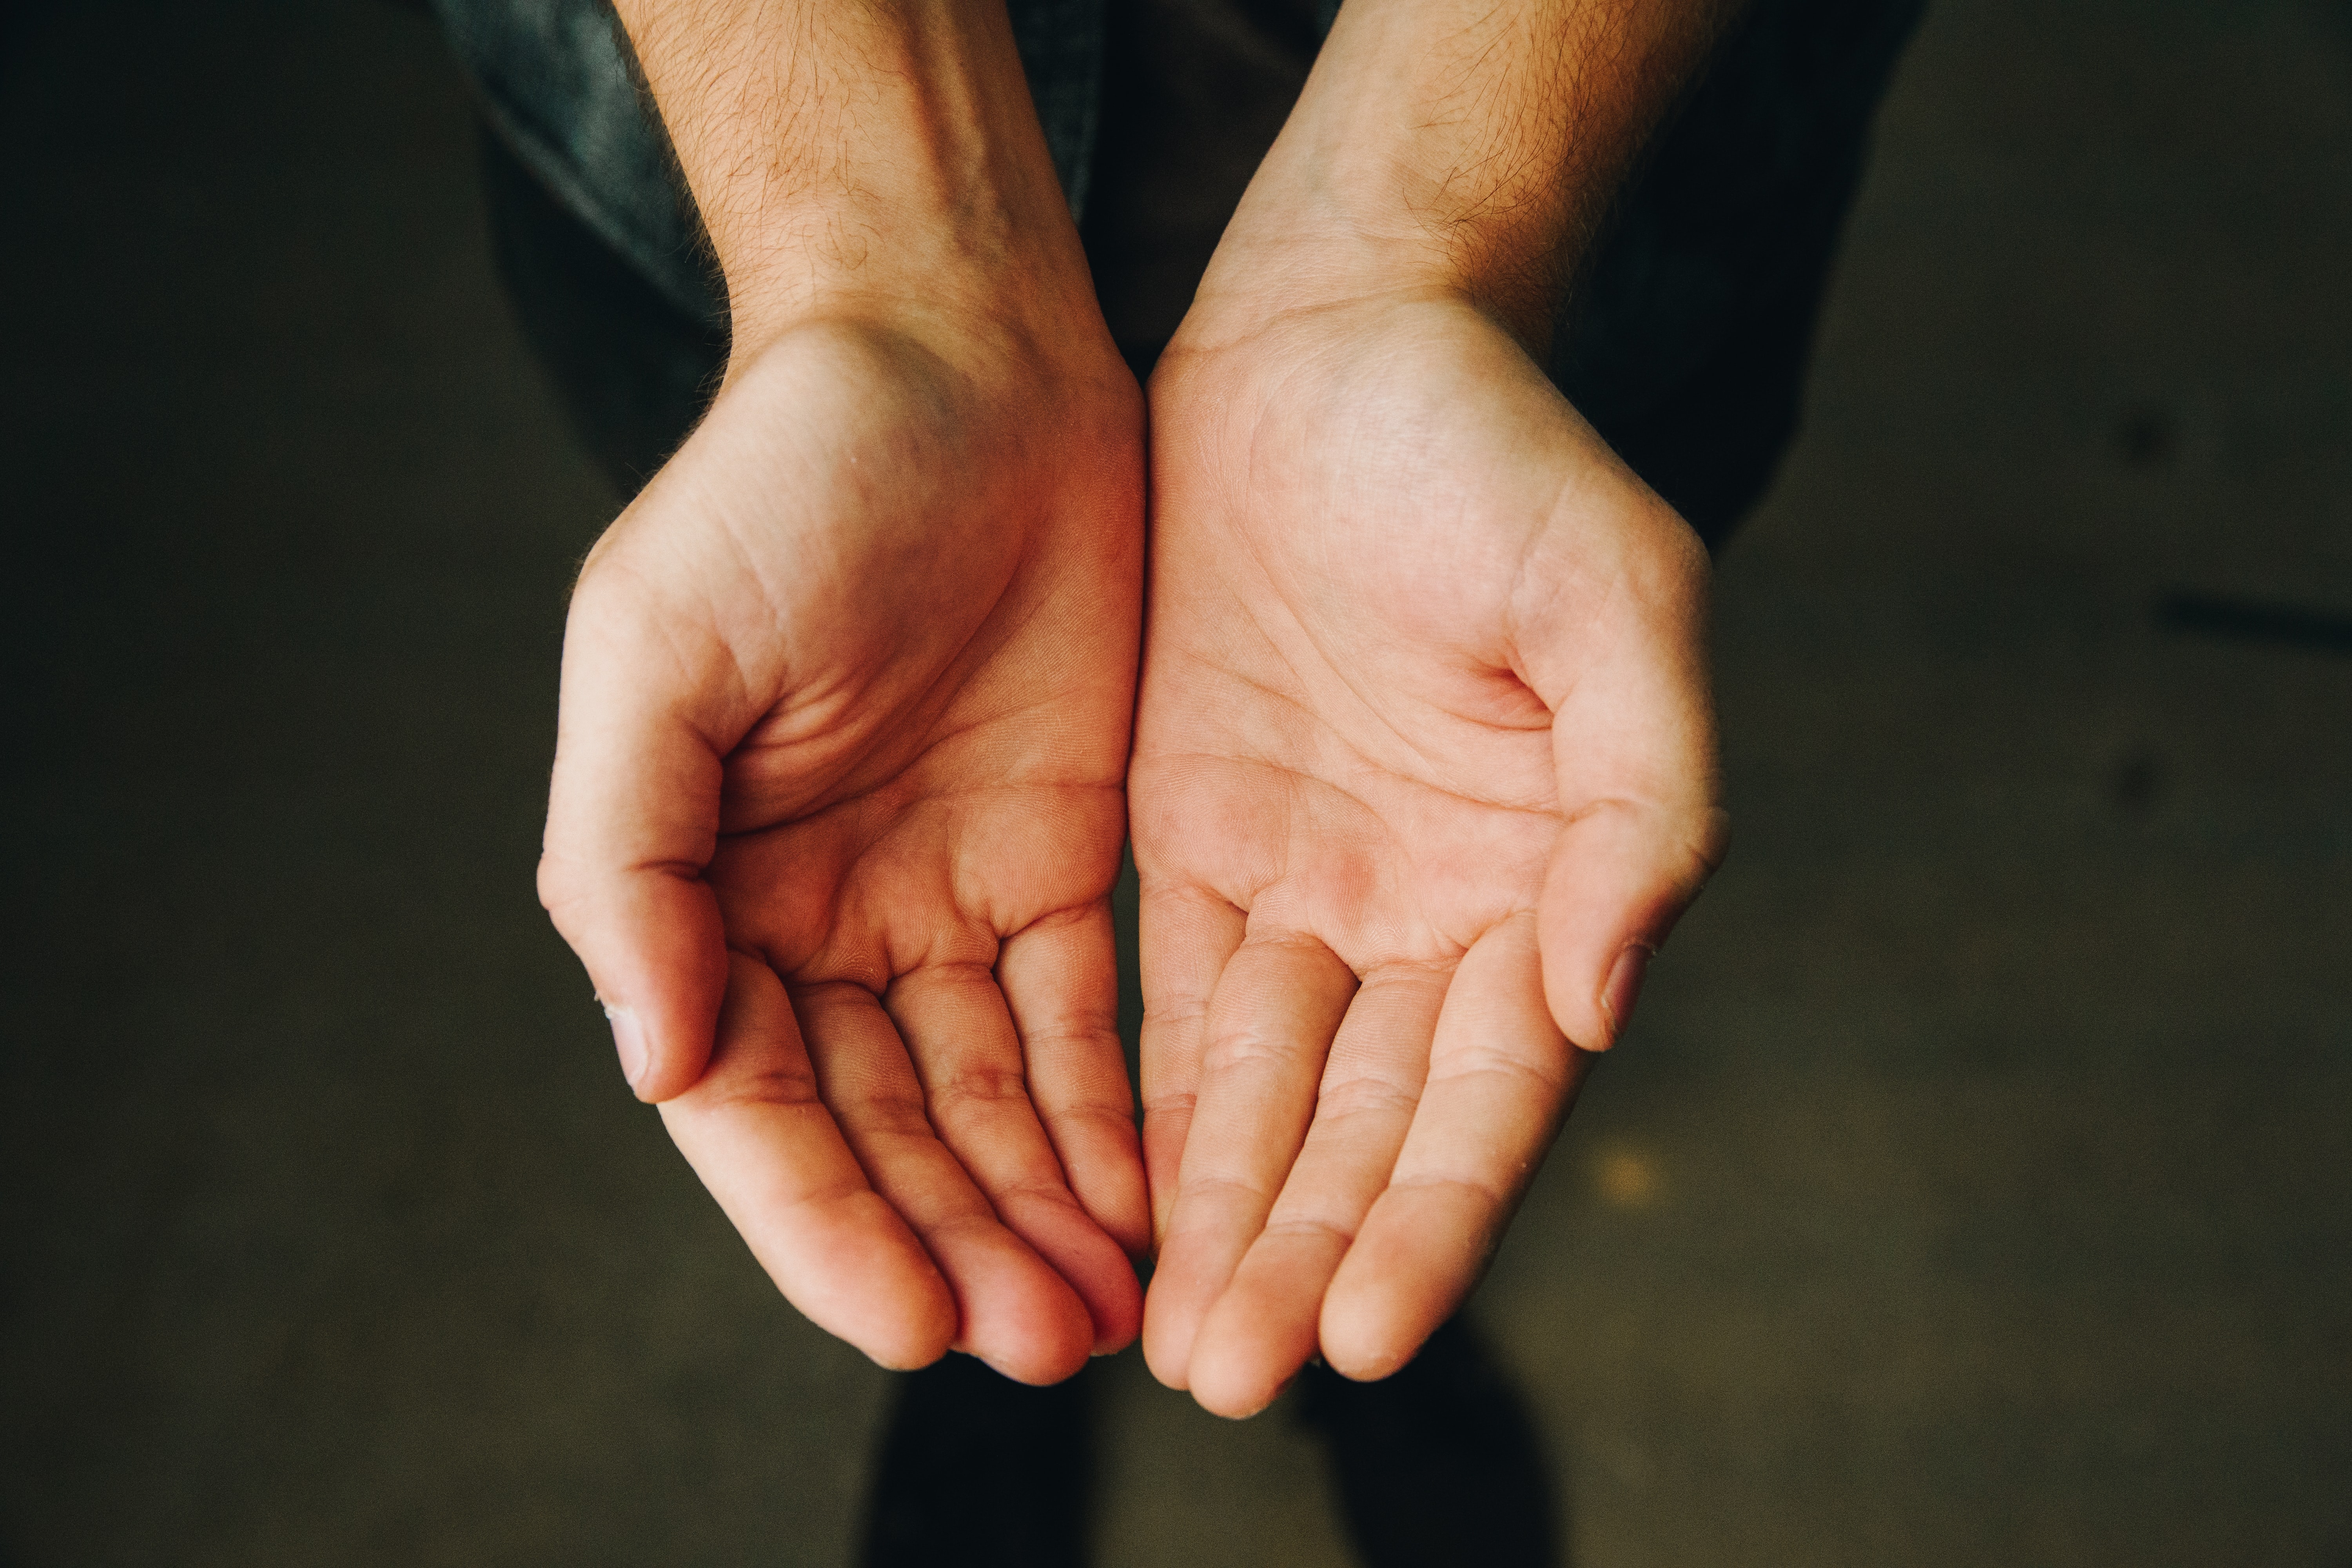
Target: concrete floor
1977,1186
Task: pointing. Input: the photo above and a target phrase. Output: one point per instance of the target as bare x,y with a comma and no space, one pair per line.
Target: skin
1426,762
837,799
1423,765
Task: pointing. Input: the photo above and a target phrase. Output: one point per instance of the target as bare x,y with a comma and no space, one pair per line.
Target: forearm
1468,145
851,158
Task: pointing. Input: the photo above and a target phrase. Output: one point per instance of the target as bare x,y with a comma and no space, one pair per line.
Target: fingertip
1166,1351
886,1296
1116,1200
1574,1003
1627,866
655,949
921,1338
628,1044
1596,953
771,1154
1199,1260
1622,988
1236,1405
684,998
1087,1258
1237,1386
1031,1326
676,1072
1264,1327
1409,1270
1132,1232
1039,1364
1117,1322
1106,1177
1165,1129
1113,1295
1094,1277
854,1271
1576,963
1365,1340
667,1071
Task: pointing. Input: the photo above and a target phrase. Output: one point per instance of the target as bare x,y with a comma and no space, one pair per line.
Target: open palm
1424,769
836,812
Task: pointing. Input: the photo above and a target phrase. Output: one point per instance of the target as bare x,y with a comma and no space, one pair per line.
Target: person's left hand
1425,771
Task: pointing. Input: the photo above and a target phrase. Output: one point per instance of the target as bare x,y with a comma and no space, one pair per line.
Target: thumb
1622,874
632,823
1636,766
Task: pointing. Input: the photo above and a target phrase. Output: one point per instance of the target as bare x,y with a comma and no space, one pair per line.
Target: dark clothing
1685,344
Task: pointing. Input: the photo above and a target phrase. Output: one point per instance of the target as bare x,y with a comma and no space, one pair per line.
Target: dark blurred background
1976,1187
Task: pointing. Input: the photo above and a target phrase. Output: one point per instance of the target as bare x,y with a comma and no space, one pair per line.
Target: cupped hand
1424,769
836,811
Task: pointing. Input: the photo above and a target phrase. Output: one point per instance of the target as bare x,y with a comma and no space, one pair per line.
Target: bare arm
1426,762
838,798
1459,145
860,158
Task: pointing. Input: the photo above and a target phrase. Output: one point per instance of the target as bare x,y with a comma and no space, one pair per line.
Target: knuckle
890,1114
1091,1112
1358,1097
1481,1191
1215,1186
1310,1227
1514,1075
773,1085
1238,1050
1030,1190
1078,1036
1171,1103
980,1089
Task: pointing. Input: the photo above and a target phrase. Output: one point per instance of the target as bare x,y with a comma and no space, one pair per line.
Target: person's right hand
837,801
845,699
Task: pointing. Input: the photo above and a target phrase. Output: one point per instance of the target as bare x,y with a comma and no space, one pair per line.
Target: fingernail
1625,987
629,1039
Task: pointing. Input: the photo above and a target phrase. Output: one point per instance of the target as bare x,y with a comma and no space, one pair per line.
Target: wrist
923,278
1456,147
1334,266
947,228
881,161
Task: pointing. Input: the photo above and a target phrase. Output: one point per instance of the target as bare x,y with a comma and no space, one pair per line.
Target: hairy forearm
1465,144
857,156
